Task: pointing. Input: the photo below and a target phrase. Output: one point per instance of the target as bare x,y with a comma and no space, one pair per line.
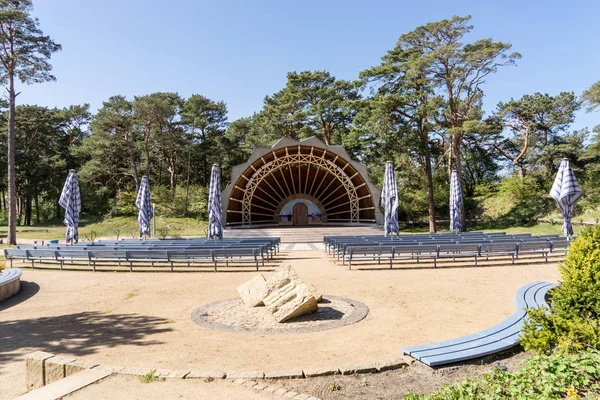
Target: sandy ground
143,319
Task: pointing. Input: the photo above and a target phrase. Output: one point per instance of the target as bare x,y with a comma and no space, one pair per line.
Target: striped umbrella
456,199
144,204
566,192
389,200
70,200
215,229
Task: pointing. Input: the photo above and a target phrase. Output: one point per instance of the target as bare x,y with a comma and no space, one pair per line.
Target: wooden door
300,212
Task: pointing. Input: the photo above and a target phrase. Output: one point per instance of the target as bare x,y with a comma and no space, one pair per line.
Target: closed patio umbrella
389,200
70,200
215,229
456,200
566,192
144,205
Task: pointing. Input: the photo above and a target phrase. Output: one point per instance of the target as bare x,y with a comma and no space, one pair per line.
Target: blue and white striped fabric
70,200
389,200
215,229
456,199
144,204
566,192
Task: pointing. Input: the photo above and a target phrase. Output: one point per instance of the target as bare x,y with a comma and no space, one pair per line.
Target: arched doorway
300,213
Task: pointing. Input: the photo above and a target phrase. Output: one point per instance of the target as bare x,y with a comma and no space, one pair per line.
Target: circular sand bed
233,315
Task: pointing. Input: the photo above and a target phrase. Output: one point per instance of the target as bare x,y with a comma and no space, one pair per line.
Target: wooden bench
459,250
499,248
235,255
542,247
10,282
492,340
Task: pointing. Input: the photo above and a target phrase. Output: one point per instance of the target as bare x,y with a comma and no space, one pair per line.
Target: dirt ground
143,319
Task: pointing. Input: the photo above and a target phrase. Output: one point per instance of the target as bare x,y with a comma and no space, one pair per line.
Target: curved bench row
492,340
10,282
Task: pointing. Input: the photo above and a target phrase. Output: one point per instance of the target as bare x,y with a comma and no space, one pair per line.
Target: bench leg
349,263
31,264
130,266
215,266
513,258
171,266
475,260
61,264
434,262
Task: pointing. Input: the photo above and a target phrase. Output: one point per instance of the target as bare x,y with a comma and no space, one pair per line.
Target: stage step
307,234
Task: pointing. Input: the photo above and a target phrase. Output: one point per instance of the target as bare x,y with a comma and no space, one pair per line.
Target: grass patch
151,377
132,294
115,228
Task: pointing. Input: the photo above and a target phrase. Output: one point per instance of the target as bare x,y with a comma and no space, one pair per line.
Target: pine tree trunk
12,186
37,209
27,211
430,199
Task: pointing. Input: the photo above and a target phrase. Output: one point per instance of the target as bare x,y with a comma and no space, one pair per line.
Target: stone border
42,368
360,312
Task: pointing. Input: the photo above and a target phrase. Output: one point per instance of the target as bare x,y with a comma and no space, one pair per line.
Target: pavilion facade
300,183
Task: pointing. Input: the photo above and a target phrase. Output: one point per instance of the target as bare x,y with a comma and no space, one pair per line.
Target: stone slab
252,292
271,388
77,366
63,387
206,375
135,371
259,386
291,394
181,374
239,381
287,297
301,396
280,391
389,365
250,384
113,369
358,369
289,374
35,376
314,372
246,375
54,368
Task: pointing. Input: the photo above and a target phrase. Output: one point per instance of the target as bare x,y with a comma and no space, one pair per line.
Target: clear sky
240,51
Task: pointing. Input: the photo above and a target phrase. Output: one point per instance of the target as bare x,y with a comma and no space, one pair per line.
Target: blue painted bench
492,340
10,282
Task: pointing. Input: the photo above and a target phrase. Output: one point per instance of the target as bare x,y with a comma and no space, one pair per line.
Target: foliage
573,322
151,377
541,377
591,97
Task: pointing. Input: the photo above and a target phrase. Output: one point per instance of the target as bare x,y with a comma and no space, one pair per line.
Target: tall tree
531,128
406,101
591,97
205,121
24,54
458,71
313,103
158,113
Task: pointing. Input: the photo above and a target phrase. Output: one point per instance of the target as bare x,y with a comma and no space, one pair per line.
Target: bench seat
492,340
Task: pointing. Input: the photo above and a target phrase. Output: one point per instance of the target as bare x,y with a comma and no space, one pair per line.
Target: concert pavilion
300,183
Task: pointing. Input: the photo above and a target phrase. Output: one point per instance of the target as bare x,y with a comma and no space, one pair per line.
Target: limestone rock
287,297
317,295
252,292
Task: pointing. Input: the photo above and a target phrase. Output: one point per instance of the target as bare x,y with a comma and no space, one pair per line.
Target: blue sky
240,51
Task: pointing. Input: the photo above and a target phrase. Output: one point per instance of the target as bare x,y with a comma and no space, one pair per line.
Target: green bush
573,323
543,377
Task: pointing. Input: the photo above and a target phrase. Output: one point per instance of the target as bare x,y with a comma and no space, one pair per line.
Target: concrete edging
42,368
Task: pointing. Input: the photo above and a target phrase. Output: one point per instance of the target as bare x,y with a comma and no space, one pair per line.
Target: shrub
574,321
553,376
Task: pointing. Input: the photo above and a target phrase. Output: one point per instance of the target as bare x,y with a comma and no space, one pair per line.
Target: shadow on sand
78,334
